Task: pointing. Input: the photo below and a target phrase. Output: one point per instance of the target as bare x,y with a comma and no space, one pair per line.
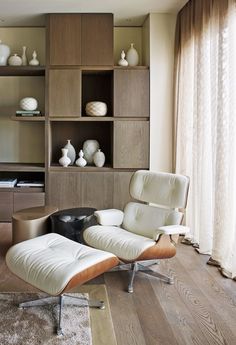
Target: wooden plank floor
199,309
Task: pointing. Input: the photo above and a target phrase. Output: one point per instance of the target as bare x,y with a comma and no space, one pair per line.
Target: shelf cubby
78,133
97,85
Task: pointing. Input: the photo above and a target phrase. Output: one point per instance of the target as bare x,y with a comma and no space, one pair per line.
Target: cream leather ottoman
54,264
31,222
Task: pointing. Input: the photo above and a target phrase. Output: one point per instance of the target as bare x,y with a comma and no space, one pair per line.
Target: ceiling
126,12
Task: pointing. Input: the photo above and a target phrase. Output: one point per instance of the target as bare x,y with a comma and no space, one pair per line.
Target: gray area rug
37,325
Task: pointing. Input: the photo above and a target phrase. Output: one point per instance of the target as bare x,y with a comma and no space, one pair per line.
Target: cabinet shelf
23,189
22,70
86,118
88,168
28,118
24,167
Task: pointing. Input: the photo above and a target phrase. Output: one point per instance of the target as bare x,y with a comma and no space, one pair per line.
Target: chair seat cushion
53,263
124,244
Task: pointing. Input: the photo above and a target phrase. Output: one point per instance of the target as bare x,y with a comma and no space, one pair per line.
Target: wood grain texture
6,206
97,39
120,193
131,144
199,309
131,93
64,35
26,200
64,92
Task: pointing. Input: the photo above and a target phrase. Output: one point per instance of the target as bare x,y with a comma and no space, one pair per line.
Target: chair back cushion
160,188
143,219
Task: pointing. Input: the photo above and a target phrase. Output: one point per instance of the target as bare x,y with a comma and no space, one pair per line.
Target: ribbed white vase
132,56
71,151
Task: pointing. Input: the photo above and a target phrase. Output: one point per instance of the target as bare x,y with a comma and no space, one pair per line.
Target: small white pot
99,158
15,60
96,109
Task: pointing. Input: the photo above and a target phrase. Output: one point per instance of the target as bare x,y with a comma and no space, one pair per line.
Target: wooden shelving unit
28,118
22,167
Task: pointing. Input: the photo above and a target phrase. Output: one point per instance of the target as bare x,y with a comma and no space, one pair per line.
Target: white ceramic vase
99,158
4,54
89,148
24,57
81,162
15,60
123,62
132,56
64,160
34,61
71,151
28,103
96,108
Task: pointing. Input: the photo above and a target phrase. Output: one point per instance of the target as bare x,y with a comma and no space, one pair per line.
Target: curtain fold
205,128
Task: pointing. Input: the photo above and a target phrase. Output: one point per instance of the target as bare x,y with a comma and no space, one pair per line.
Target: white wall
162,32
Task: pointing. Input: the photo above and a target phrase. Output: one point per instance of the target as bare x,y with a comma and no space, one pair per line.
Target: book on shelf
7,182
28,113
30,184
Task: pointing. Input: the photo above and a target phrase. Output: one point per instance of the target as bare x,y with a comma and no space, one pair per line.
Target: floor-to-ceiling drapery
205,123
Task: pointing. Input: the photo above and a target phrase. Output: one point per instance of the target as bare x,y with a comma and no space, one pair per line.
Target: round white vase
64,160
28,103
96,108
81,162
4,54
15,60
89,148
71,151
99,158
132,56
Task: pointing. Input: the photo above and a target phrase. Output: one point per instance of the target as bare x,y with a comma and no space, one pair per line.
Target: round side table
31,222
71,222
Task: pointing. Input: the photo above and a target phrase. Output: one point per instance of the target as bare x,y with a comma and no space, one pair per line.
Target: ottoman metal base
61,300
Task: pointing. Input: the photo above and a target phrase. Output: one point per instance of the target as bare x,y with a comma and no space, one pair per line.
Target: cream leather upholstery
146,231
110,217
51,261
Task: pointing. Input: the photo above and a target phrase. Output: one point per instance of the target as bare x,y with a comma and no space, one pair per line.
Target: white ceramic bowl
28,103
96,108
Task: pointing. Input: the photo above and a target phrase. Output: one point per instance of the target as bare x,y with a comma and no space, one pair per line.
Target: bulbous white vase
132,56
4,54
81,162
28,103
89,148
71,151
15,60
64,160
99,158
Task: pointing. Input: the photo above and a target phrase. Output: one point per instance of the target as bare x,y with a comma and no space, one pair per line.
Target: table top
34,212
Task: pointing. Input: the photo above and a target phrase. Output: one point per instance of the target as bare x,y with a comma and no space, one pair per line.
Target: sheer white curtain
205,114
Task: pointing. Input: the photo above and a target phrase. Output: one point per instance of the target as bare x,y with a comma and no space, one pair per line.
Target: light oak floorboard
199,309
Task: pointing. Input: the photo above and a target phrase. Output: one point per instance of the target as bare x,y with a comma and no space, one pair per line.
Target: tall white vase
71,151
132,56
64,160
24,57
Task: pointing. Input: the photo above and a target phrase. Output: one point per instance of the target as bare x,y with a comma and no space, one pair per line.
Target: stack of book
28,113
30,184
7,182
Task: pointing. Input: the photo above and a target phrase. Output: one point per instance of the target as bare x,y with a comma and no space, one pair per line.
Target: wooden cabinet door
64,189
64,40
6,206
97,190
64,93
131,144
26,200
97,39
121,194
131,93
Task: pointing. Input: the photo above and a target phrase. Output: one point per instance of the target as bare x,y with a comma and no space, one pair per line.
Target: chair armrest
170,230
109,217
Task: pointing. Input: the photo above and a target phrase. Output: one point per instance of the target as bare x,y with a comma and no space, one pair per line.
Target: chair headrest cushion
160,188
